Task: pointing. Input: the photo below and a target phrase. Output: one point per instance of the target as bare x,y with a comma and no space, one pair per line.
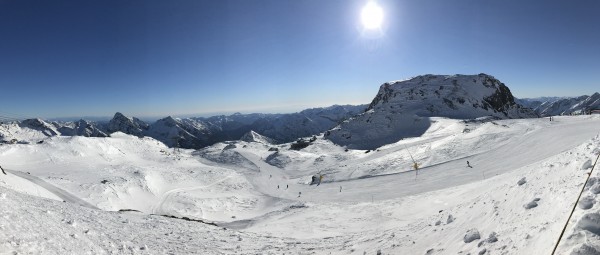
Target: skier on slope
3,170
469,165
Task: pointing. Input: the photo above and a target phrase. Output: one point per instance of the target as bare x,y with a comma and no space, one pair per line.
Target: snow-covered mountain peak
40,125
128,125
401,108
443,95
252,136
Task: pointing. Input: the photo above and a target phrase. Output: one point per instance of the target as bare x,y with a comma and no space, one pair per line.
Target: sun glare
371,15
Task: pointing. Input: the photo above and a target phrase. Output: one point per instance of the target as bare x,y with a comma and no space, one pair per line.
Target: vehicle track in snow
63,194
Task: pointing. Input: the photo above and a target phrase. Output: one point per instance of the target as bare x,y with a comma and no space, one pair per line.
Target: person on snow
299,193
277,186
3,170
469,165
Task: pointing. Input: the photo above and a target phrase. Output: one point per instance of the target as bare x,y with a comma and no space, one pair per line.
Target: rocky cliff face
402,108
82,128
127,125
40,125
256,138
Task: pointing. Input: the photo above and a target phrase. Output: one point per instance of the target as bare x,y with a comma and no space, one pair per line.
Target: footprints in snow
532,204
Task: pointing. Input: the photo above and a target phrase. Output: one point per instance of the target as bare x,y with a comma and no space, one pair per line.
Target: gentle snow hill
402,108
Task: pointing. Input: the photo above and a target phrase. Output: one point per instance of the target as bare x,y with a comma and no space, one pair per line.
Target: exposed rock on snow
402,109
471,235
256,137
532,204
521,181
40,125
492,238
229,147
450,219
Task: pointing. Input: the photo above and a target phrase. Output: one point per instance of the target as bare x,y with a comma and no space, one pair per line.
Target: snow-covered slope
524,177
402,108
552,106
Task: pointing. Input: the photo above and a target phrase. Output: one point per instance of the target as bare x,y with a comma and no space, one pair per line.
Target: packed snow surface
63,196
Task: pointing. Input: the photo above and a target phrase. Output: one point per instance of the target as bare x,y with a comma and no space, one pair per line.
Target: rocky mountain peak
402,108
252,136
127,125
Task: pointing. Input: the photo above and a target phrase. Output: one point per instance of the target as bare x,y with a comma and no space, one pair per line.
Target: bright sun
371,15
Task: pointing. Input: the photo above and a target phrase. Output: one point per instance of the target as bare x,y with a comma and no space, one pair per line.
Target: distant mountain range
550,106
200,132
400,109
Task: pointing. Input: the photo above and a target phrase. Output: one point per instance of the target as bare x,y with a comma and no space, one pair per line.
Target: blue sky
157,58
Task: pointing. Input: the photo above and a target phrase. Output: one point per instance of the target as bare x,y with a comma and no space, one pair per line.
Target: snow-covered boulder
471,235
402,108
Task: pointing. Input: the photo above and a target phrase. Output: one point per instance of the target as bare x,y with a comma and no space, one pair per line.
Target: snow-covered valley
259,194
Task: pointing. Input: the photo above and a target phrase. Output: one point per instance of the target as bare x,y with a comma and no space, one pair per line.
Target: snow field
382,206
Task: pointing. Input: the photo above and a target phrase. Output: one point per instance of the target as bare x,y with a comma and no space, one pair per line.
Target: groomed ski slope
383,205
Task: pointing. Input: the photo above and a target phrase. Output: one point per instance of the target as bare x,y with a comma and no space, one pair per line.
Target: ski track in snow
63,194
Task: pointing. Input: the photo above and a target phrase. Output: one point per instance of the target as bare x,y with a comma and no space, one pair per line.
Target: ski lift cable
575,205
